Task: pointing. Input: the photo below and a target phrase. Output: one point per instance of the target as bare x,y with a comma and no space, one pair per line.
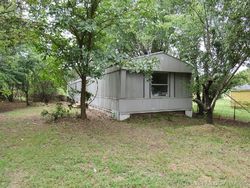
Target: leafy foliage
15,31
246,75
79,33
213,36
59,112
144,65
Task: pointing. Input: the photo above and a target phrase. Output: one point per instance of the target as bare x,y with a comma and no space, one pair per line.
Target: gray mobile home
123,93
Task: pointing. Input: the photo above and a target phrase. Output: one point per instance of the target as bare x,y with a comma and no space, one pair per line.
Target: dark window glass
160,78
159,86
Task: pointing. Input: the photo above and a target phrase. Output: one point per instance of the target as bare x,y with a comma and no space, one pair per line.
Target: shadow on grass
177,120
159,120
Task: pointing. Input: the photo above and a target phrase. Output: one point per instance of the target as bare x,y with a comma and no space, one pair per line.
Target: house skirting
121,109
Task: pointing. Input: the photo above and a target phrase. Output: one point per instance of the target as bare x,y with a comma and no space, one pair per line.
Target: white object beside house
123,93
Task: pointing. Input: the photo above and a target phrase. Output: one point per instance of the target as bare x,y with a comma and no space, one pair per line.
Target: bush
43,91
59,112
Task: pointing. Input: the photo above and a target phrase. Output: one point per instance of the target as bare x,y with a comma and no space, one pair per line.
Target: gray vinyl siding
182,85
154,105
108,85
171,64
124,92
107,91
134,85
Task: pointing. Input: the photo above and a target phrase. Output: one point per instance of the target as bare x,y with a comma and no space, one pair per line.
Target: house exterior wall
107,87
139,100
171,64
134,85
137,86
107,90
134,106
137,97
241,96
122,92
182,85
75,86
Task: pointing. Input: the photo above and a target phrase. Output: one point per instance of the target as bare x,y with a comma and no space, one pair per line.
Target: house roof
245,87
169,63
157,53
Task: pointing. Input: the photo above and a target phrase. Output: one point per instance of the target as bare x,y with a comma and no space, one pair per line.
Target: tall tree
14,31
219,33
77,31
148,30
27,61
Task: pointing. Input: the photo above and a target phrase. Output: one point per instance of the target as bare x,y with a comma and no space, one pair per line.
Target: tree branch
226,81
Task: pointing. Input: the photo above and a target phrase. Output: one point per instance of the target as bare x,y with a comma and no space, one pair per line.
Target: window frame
168,85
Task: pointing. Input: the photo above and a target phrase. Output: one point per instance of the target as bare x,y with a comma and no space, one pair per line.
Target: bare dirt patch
9,106
17,179
206,128
2,117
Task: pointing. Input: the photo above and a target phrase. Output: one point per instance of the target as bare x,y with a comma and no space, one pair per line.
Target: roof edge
157,53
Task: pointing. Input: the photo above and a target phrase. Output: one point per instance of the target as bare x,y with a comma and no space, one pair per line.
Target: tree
50,76
27,61
6,10
146,31
77,32
241,78
246,74
219,33
12,35
187,41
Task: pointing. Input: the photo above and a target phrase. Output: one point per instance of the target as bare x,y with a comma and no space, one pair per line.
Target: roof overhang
167,63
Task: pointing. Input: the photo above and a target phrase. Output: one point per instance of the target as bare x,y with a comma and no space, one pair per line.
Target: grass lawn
163,151
223,108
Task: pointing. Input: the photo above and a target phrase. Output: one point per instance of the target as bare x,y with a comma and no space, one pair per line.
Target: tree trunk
209,117
11,96
27,98
200,107
46,99
200,110
83,98
208,98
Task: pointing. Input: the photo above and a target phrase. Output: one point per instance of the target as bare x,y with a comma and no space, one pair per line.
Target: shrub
43,91
59,112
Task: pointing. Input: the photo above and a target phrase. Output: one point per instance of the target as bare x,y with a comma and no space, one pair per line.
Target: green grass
225,109
161,151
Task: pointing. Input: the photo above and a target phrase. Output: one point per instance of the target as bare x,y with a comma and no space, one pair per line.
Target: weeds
59,112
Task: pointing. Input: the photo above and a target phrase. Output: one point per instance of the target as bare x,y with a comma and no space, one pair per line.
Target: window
159,85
